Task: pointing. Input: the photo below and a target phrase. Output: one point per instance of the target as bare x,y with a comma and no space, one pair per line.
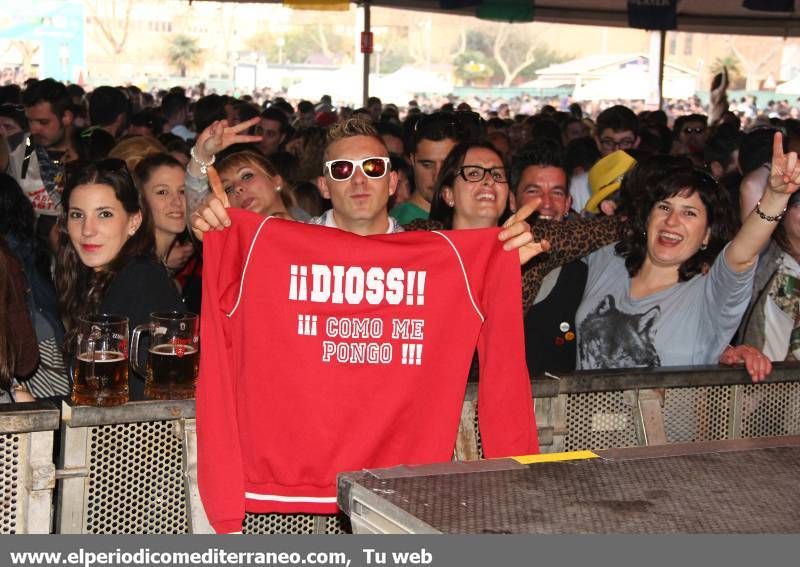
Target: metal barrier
27,432
124,469
132,468
608,409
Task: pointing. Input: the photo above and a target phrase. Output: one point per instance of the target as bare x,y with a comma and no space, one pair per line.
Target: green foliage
735,77
474,67
479,40
395,52
183,52
301,43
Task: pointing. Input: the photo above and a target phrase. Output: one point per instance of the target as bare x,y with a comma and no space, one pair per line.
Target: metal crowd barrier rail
611,409
132,468
126,469
27,432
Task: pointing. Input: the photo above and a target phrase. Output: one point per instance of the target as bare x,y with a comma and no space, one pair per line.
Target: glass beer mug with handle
172,357
101,368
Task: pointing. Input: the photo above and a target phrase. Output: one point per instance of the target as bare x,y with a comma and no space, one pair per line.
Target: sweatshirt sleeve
505,403
219,461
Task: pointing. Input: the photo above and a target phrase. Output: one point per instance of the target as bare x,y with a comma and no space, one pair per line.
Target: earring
451,203
704,246
278,188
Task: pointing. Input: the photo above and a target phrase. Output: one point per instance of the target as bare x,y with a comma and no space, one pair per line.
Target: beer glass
101,368
173,356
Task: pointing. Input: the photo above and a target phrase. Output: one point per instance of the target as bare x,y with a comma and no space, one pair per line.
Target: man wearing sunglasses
358,180
691,132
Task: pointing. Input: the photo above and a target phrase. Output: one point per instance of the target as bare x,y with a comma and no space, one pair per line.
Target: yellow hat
605,177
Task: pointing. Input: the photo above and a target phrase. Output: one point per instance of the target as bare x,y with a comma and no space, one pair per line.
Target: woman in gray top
673,290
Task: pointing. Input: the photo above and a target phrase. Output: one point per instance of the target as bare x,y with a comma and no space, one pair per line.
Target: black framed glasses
476,173
373,167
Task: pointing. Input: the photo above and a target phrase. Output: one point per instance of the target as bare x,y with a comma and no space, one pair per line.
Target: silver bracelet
769,218
203,164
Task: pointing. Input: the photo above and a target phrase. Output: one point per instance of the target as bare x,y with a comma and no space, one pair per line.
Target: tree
505,48
755,55
732,63
513,51
183,52
113,20
300,43
473,67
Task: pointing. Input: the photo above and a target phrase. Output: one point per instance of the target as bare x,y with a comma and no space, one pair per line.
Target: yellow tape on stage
333,5
553,457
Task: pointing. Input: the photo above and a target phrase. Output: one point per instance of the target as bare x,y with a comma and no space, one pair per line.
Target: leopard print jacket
569,240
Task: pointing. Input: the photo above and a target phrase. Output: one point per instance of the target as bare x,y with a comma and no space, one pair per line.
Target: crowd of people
642,251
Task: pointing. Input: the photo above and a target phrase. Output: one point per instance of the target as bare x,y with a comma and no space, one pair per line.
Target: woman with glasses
472,189
672,292
106,261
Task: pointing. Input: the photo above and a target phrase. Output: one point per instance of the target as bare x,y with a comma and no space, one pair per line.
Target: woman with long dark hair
17,227
673,290
19,353
106,261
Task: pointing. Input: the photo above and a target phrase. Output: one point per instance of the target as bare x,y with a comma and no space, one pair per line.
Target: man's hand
212,215
757,364
516,233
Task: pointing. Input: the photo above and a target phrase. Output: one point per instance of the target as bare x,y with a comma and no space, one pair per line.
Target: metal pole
662,40
365,84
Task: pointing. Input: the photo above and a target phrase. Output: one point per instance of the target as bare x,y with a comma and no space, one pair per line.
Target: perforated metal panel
477,430
770,409
295,524
598,420
11,496
136,480
338,524
698,414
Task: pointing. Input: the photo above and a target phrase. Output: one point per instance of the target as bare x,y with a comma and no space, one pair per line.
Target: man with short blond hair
358,180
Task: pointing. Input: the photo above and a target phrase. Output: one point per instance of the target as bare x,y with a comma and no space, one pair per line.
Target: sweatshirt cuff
228,526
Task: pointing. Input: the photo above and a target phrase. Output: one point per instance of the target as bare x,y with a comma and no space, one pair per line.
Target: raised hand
211,215
516,233
219,136
784,175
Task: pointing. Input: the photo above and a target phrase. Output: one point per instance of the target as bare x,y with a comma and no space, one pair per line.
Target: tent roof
599,64
719,16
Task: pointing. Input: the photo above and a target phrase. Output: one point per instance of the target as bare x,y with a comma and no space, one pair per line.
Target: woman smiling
106,261
673,290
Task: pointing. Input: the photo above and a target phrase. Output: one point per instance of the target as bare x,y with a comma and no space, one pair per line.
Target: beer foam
169,349
102,356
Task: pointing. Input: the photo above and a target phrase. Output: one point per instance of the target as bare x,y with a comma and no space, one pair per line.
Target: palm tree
732,63
183,52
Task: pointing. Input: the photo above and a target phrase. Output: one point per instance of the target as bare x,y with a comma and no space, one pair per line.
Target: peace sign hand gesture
784,175
219,136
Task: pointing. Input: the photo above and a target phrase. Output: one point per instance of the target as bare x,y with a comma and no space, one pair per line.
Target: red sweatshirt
323,352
